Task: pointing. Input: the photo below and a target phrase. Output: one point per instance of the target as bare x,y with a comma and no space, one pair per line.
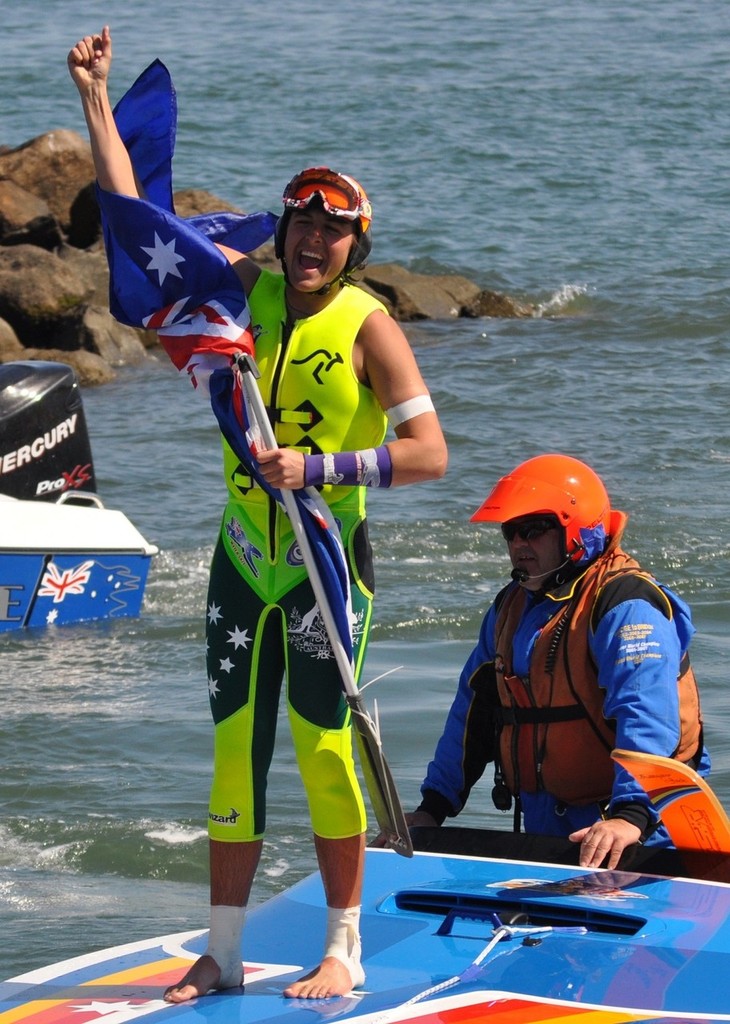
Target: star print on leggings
224,644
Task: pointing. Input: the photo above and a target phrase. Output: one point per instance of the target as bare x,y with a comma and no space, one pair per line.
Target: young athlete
334,369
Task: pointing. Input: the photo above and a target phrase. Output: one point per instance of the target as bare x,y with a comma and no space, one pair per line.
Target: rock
412,296
10,344
496,304
117,344
89,367
190,202
92,269
85,218
41,297
265,257
24,218
54,167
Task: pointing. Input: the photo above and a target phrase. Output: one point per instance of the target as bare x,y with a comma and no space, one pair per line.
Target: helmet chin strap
324,290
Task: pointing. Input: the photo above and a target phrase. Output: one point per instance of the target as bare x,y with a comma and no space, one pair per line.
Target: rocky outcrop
54,280
53,275
54,167
411,296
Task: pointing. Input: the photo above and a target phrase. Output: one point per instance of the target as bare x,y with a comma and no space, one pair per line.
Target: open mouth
310,260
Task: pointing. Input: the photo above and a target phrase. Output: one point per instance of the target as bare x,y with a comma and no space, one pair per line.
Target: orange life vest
554,734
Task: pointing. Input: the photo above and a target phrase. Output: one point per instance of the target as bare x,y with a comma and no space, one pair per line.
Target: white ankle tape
343,940
224,943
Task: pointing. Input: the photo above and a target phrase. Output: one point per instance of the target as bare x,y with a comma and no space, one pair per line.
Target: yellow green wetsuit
262,623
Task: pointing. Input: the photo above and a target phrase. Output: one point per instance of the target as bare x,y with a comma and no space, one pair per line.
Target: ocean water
571,154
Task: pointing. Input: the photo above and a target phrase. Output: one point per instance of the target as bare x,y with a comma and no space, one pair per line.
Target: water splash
565,300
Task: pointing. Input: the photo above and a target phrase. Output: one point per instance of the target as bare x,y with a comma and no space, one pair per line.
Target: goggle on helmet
559,486
340,196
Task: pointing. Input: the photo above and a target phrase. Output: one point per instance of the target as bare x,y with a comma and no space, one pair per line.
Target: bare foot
331,978
204,975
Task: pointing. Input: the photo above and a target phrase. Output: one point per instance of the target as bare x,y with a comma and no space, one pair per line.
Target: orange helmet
554,485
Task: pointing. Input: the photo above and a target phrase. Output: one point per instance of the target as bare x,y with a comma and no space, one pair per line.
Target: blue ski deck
620,946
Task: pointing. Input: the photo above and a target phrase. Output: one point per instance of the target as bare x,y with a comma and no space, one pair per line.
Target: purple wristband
370,467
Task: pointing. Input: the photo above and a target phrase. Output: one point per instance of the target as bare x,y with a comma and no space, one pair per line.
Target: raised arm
89,62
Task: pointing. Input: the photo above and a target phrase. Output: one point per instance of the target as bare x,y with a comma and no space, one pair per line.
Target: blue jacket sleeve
638,648
467,743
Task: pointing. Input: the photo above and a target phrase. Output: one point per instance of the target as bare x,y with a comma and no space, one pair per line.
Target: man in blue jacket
581,652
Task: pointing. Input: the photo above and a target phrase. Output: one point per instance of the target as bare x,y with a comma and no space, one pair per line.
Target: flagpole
376,772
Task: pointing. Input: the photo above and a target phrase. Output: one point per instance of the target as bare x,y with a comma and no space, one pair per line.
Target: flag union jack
208,329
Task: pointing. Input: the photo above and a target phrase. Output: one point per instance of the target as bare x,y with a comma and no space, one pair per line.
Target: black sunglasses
528,529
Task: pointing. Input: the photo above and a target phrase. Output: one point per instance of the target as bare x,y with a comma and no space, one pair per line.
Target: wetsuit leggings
252,647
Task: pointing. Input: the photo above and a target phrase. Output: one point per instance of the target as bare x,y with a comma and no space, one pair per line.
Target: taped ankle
343,940
224,943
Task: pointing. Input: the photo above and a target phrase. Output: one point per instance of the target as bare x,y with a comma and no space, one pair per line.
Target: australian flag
167,274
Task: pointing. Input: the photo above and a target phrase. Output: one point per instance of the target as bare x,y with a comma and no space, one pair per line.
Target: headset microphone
520,576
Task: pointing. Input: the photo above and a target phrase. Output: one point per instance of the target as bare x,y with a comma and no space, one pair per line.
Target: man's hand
416,819
605,839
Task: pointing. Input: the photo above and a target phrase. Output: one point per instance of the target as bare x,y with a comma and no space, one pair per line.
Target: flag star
239,638
213,690
214,613
226,664
164,259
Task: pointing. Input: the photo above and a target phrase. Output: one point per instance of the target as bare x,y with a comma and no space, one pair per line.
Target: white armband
398,414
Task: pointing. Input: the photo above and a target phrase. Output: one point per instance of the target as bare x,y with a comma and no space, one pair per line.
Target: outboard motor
44,442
